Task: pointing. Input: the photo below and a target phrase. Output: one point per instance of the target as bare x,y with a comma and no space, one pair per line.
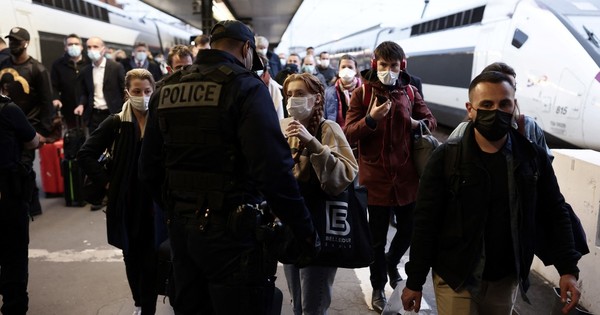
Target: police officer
16,134
213,142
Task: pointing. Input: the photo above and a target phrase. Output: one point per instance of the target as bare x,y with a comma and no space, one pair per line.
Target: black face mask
17,51
493,124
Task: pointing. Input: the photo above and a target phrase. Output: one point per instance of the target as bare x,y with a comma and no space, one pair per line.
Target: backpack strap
368,96
410,93
521,124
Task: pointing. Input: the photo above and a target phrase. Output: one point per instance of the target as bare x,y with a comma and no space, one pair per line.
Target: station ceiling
268,18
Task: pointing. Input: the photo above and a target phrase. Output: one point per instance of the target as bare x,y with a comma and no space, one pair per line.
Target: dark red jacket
385,163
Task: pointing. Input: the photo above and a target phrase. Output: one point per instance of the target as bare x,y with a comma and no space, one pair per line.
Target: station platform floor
72,270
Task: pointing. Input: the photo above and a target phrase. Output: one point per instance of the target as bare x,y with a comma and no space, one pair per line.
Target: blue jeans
310,288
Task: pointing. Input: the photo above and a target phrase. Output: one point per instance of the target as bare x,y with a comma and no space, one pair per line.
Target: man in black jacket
213,143
480,203
66,78
31,90
140,59
102,86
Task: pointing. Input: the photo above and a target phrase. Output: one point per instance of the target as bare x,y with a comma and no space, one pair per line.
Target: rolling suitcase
74,139
50,172
73,179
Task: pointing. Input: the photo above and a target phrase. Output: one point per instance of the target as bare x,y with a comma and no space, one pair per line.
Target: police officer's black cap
18,33
237,30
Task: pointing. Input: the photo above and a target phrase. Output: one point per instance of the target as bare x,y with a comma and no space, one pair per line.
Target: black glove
309,249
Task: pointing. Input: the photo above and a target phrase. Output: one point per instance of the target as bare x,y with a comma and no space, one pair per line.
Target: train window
68,5
58,4
519,38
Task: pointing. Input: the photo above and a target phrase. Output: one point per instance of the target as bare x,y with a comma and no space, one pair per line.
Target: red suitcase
50,156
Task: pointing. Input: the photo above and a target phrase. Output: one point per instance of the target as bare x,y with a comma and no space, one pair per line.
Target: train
50,21
553,46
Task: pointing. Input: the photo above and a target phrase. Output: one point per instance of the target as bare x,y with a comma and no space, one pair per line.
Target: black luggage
73,140
73,177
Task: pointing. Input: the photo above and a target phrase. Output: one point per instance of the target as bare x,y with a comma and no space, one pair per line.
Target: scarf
343,103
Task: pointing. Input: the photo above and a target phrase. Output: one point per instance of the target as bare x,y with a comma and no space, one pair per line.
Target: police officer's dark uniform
213,142
15,192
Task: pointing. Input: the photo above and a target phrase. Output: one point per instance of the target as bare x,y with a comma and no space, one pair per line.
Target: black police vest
201,156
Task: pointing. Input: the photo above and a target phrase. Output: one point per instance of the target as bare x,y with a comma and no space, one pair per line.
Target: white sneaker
137,311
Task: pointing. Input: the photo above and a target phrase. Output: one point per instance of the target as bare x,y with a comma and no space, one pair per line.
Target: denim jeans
310,288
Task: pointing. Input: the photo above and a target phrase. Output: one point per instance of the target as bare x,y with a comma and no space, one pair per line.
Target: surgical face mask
388,77
282,61
324,63
74,51
139,102
141,56
300,107
260,72
308,69
347,75
262,51
94,55
159,60
108,56
493,124
248,60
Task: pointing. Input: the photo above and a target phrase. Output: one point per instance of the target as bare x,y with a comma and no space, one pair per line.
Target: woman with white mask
323,163
337,96
133,222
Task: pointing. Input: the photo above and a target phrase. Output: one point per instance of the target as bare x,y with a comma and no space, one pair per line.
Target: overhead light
221,12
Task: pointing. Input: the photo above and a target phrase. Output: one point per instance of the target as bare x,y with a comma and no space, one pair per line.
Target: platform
74,271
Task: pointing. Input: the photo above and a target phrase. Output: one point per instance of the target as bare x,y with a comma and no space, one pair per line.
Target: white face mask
347,75
139,102
74,51
262,51
94,55
300,107
388,77
141,56
324,63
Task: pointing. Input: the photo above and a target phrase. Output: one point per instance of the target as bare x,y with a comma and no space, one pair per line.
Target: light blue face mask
141,56
74,51
308,69
94,55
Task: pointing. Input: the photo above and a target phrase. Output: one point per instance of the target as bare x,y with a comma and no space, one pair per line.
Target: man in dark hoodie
66,78
380,121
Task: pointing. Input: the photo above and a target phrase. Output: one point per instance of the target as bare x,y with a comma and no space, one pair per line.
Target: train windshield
582,18
588,27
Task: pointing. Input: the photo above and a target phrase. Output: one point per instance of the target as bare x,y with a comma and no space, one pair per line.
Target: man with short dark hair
139,59
381,120
214,146
178,57
31,90
325,69
66,78
484,199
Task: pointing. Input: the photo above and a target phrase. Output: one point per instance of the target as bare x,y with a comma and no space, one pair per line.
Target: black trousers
141,266
379,222
217,271
96,118
14,243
